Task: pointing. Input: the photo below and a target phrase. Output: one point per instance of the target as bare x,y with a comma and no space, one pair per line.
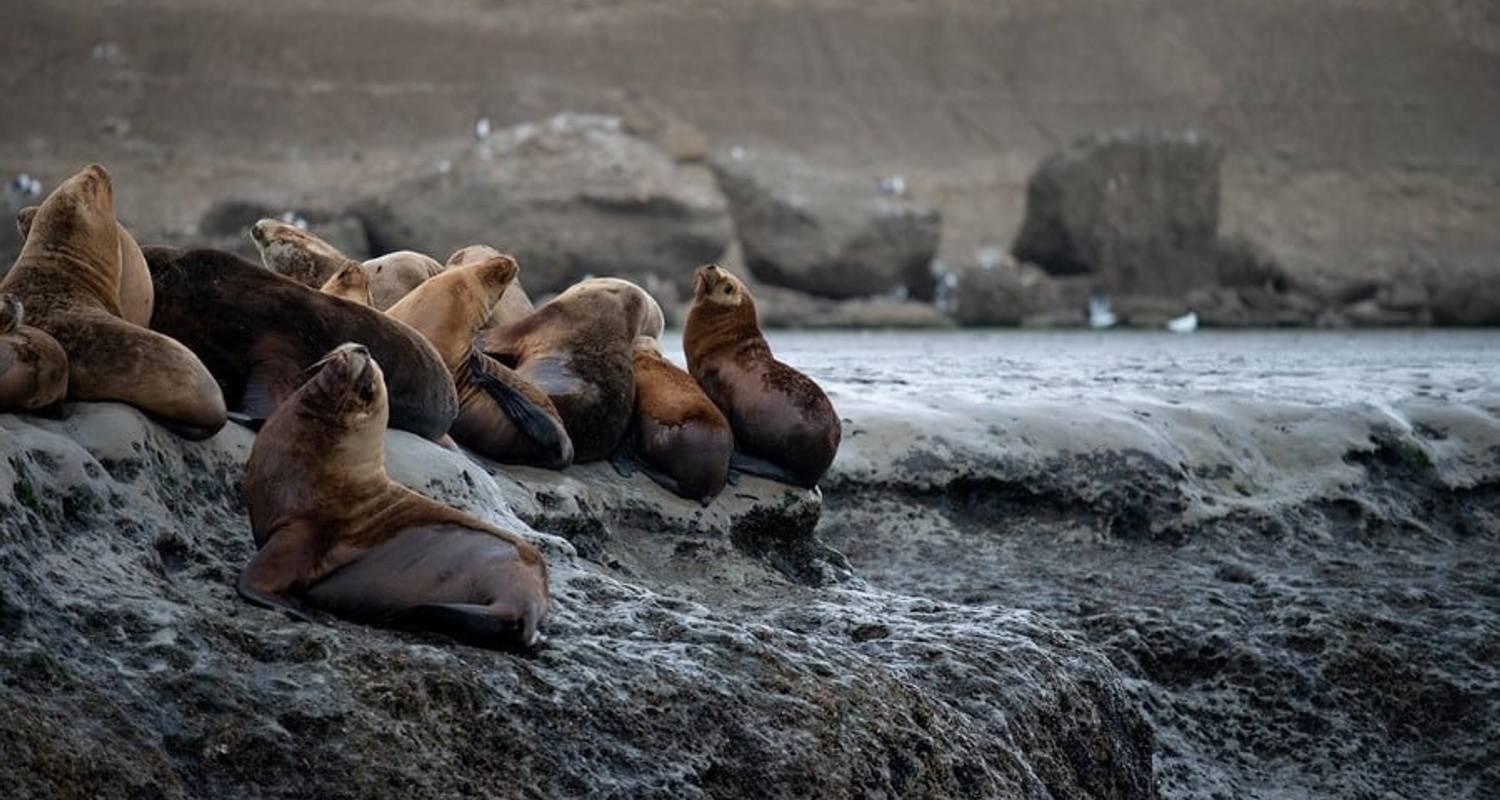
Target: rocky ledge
1302,597
719,652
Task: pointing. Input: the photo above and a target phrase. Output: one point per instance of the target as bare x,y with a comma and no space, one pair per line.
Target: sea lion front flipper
281,563
482,625
753,465
529,418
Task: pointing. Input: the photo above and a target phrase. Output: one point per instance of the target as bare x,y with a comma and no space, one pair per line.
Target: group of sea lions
322,353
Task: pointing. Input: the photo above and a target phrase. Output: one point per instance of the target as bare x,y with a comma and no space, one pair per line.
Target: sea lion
784,426
513,305
394,275
257,331
300,255
33,366
500,415
351,283
679,433
335,532
135,278
577,348
68,278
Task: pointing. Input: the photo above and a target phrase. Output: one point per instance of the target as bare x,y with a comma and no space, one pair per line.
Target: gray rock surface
1303,596
720,652
571,196
1137,211
820,230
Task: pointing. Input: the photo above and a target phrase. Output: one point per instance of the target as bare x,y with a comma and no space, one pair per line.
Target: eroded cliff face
716,652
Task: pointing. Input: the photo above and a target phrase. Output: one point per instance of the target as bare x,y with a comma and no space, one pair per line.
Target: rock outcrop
719,652
812,228
572,196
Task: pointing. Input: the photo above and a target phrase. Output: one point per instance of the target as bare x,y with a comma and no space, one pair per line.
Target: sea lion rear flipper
529,418
482,625
758,466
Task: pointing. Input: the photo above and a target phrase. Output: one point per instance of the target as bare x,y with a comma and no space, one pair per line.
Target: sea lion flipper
752,465
483,625
625,459
284,561
269,382
526,415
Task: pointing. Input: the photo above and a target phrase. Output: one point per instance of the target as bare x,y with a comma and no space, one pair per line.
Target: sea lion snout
261,231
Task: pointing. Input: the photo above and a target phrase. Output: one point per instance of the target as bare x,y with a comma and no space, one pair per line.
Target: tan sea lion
135,278
500,415
33,366
300,255
679,433
68,278
513,305
578,349
350,282
784,426
258,332
336,533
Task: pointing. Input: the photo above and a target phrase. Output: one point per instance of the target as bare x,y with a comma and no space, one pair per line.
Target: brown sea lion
300,255
257,332
135,278
336,533
578,349
784,426
350,282
513,305
68,278
500,415
682,437
33,366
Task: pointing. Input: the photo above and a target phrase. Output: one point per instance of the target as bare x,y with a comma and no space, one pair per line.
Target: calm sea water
1313,367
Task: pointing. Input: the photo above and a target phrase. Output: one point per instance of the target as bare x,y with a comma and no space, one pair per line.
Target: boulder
812,228
570,197
1137,211
998,290
699,652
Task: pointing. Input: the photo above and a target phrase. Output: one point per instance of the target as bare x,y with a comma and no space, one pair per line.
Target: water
1312,367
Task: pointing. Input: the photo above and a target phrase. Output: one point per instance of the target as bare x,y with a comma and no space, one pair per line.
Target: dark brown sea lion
257,332
135,278
784,426
578,349
351,283
33,366
682,437
68,278
500,415
336,533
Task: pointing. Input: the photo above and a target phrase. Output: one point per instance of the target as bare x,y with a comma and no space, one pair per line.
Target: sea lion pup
350,283
300,255
513,305
68,278
257,332
577,348
33,366
335,532
500,415
135,278
784,426
679,433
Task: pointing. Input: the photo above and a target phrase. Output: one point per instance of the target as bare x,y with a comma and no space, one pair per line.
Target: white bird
1099,314
482,129
1187,323
294,218
894,185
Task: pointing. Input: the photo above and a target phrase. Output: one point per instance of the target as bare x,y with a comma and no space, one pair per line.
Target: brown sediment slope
1360,133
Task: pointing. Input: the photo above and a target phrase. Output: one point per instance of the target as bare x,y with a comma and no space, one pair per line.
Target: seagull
1187,323
24,186
894,185
294,218
1099,314
482,129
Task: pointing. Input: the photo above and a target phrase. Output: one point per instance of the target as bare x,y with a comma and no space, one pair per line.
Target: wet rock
809,227
1137,211
572,196
719,652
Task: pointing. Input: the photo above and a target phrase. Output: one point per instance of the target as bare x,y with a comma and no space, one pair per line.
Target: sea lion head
24,218
470,254
642,313
495,273
716,286
79,215
348,391
351,283
12,315
298,254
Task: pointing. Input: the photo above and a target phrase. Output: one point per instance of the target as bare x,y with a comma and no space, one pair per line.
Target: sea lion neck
710,327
